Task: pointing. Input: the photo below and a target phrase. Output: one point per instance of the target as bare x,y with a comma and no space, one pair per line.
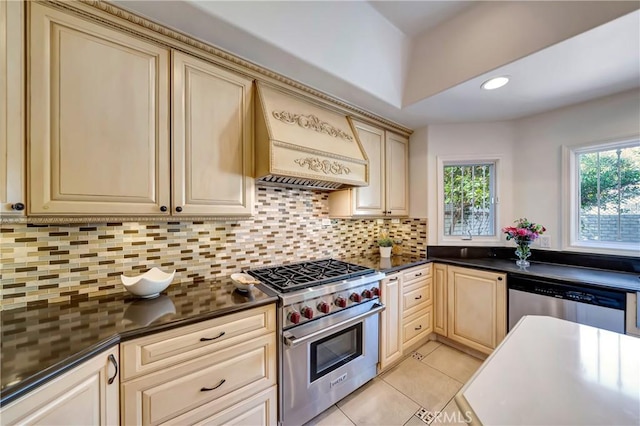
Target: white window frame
570,208
476,240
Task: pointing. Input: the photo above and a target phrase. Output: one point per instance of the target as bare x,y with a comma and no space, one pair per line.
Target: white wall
351,40
531,149
538,154
487,139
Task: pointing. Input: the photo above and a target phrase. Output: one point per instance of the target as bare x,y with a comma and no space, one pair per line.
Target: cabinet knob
499,278
163,208
179,209
17,206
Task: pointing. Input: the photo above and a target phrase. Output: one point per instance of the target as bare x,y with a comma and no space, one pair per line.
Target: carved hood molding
303,144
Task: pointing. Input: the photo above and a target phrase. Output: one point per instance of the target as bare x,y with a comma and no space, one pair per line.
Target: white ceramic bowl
243,282
149,284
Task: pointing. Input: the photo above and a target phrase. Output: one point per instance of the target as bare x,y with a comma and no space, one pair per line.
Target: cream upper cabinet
397,182
391,320
387,193
370,200
99,119
87,395
440,299
12,135
212,142
476,308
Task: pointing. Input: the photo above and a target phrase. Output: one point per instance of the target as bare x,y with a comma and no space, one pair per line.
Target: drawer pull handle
115,364
418,328
208,339
418,298
393,279
213,388
419,274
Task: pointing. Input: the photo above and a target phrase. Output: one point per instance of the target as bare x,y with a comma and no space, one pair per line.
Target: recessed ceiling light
495,83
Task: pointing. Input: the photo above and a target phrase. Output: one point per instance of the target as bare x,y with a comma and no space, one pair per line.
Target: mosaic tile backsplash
44,264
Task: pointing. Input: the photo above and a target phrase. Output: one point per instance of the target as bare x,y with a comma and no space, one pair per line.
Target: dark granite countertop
388,265
39,343
627,281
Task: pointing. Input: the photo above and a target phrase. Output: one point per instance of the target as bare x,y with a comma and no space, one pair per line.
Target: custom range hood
302,144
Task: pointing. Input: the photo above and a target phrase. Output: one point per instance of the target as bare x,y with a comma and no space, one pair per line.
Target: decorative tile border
44,264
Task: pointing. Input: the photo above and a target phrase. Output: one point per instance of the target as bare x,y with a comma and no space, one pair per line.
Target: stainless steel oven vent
298,182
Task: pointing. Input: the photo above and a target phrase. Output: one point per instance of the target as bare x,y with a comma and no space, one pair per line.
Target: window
606,196
468,199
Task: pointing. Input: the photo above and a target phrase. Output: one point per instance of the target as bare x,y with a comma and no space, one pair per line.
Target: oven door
327,359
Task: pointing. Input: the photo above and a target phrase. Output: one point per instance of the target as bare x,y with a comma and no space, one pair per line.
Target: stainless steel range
328,331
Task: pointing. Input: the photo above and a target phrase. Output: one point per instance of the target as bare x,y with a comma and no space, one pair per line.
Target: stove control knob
355,297
307,312
375,291
367,294
341,302
324,307
294,317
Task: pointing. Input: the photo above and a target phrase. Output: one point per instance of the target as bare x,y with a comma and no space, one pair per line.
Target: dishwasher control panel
592,296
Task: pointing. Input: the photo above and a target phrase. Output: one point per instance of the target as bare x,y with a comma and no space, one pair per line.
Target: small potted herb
385,244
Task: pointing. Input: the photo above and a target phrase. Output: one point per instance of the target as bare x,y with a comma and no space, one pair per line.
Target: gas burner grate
294,276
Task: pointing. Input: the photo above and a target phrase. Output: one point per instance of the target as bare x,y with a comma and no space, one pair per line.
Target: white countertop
549,371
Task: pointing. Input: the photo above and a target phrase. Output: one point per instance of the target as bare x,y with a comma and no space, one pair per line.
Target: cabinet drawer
161,350
416,327
227,376
257,410
420,296
418,273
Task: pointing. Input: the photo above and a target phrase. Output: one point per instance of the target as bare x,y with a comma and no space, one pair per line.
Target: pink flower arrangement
524,231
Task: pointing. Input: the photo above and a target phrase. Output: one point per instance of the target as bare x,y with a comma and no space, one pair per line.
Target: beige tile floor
428,380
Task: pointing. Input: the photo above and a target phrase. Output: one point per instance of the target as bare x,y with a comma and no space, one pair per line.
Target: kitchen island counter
550,371
38,344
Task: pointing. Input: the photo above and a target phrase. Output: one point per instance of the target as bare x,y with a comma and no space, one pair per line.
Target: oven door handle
293,341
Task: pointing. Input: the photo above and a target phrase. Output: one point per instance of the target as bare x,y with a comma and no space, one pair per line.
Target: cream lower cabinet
212,144
387,192
86,395
407,319
440,299
221,371
417,305
476,308
99,119
633,321
12,113
390,320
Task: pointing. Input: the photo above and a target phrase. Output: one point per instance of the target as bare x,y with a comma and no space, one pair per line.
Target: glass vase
523,251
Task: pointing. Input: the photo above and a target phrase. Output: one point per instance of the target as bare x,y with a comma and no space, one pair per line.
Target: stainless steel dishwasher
600,308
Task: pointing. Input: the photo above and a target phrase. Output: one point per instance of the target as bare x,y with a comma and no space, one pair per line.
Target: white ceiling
330,46
594,64
415,17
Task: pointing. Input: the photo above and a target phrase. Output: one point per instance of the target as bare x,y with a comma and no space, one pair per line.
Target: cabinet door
440,296
370,200
391,321
397,155
82,396
212,140
12,141
476,308
99,119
